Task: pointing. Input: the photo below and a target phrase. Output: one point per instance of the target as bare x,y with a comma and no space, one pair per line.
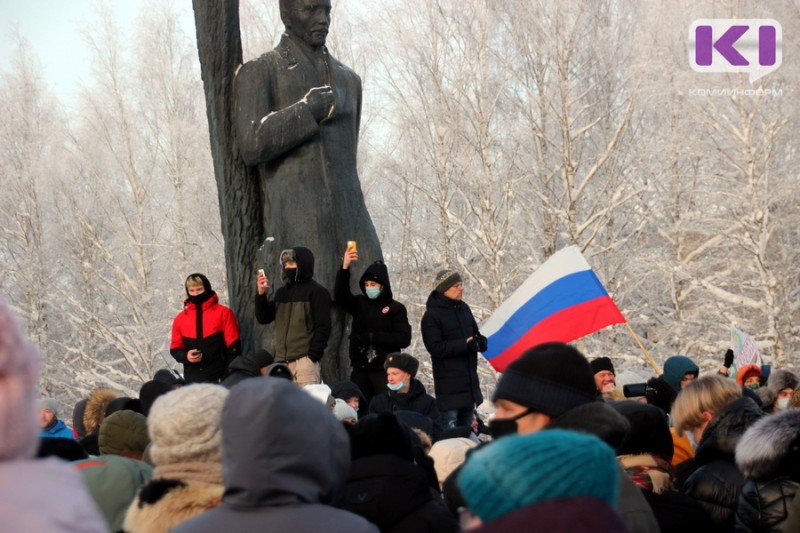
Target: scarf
648,471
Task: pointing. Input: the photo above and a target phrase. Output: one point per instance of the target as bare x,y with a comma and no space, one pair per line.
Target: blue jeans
455,418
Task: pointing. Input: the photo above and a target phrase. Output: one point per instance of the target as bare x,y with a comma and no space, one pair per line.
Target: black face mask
198,299
500,427
288,275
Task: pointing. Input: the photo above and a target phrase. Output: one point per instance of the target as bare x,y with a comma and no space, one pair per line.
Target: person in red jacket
205,335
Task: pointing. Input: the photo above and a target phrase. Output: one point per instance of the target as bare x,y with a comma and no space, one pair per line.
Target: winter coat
285,458
301,311
240,369
576,515
393,494
446,325
308,171
712,477
46,495
769,457
58,431
449,454
380,326
113,482
601,420
216,335
164,503
416,399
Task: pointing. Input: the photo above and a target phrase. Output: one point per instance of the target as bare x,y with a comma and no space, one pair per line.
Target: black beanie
550,378
600,364
403,361
381,434
446,279
150,392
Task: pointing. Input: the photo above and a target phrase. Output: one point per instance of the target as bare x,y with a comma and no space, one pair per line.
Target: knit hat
448,455
262,358
649,432
402,361
343,411
184,425
746,372
19,368
170,377
602,363
50,405
381,434
676,367
150,392
445,279
321,392
123,431
522,470
550,378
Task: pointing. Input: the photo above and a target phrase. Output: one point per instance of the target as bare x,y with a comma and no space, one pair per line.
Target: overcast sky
53,30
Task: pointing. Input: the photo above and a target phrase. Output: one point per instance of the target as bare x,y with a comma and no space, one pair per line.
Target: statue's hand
320,102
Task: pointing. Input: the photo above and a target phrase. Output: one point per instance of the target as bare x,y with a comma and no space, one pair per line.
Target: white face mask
783,403
690,436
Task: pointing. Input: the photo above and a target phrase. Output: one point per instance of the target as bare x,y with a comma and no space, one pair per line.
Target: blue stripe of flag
563,293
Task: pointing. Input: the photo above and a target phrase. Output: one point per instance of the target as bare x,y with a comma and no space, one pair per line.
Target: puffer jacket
380,325
446,325
769,457
712,477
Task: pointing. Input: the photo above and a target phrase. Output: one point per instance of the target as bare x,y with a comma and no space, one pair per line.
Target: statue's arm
264,132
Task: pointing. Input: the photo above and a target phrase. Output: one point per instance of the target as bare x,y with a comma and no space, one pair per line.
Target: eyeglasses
288,256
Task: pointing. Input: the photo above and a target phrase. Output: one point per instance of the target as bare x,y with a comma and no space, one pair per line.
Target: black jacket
769,456
380,324
416,399
393,494
446,325
712,477
301,311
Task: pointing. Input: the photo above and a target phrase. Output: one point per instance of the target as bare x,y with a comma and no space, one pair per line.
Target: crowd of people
255,441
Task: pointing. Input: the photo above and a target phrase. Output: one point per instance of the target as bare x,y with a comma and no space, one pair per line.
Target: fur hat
781,379
522,470
746,372
770,447
184,425
343,411
602,363
49,404
402,361
19,368
445,279
676,367
550,378
123,431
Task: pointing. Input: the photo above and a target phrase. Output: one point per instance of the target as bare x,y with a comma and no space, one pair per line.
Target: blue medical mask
690,436
373,292
396,386
783,403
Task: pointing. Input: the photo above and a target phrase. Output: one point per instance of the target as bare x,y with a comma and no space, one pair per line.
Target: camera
641,390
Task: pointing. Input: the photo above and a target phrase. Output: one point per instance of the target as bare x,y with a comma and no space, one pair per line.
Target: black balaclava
199,299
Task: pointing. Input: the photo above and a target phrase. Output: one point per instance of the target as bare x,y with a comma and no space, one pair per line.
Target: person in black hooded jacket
451,336
380,323
301,311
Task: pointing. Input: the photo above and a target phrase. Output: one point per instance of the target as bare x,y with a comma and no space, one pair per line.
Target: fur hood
162,504
770,447
95,410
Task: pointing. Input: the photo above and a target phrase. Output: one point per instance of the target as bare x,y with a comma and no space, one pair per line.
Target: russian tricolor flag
562,301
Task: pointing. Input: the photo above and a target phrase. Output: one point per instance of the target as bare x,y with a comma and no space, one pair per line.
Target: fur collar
766,445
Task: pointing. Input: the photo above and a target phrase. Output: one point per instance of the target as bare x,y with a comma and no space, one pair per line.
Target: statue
296,118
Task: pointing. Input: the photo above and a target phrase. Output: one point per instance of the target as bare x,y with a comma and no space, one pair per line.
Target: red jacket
218,339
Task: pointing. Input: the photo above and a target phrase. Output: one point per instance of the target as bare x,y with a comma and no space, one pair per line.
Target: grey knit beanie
184,425
49,404
446,279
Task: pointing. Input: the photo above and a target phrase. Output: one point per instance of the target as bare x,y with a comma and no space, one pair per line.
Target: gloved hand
728,358
478,343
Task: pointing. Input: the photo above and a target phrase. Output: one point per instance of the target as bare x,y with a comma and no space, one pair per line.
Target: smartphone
351,246
261,272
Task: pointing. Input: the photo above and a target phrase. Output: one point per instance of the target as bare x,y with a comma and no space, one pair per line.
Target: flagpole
644,351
